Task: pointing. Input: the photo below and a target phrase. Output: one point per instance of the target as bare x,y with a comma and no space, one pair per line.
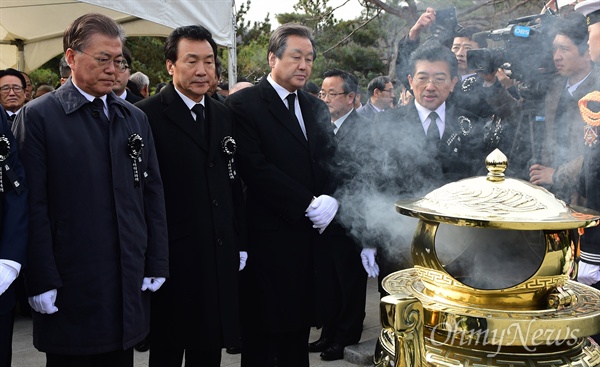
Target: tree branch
351,33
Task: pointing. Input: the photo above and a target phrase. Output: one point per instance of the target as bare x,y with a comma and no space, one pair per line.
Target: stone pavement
25,355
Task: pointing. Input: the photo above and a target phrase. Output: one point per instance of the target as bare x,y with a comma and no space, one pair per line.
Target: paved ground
25,355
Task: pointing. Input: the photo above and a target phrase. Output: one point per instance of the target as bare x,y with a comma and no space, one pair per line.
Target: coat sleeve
157,253
42,273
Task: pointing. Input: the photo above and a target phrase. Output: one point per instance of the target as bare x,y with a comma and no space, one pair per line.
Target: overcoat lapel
177,112
281,113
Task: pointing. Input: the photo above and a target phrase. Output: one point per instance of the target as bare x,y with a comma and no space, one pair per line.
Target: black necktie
433,132
291,98
11,118
98,108
200,121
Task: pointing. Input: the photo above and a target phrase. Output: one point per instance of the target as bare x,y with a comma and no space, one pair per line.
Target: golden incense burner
492,282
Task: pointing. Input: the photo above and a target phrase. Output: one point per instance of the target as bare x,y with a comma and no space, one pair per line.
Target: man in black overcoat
343,280
283,160
196,313
13,233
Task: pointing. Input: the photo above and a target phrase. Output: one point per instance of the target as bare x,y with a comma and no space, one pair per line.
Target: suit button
210,164
219,242
215,203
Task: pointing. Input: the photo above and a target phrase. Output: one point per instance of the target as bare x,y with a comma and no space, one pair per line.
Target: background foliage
366,45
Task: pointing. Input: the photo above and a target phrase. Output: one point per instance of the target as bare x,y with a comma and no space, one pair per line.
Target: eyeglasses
331,95
422,81
391,90
15,88
103,62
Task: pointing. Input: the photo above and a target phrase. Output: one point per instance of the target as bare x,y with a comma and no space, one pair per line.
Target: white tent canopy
31,30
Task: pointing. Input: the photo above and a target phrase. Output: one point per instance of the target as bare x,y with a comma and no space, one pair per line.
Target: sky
259,8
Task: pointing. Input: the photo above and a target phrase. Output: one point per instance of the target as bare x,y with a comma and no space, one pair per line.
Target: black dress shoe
333,353
143,346
320,345
234,350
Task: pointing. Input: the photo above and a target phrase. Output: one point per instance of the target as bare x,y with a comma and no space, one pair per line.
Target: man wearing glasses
12,92
381,97
98,236
426,143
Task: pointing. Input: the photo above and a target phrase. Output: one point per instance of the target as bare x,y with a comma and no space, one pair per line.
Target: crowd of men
197,219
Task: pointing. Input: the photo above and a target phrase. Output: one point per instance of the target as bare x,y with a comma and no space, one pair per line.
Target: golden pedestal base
422,329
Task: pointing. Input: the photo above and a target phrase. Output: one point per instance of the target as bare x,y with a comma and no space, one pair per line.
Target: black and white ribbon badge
229,148
135,145
12,176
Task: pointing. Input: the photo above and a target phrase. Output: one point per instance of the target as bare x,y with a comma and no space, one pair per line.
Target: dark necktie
200,121
291,98
98,108
433,132
11,118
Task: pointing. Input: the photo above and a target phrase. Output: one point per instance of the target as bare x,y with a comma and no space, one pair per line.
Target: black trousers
173,357
345,290
6,332
121,358
289,349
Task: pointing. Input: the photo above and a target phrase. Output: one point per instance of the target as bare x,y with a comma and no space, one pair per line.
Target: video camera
526,53
445,25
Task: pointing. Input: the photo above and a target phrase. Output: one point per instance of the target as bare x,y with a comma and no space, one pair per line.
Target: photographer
481,92
559,164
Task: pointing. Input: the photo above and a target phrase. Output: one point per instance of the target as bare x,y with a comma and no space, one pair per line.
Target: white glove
8,274
322,211
588,274
152,283
44,303
243,258
368,260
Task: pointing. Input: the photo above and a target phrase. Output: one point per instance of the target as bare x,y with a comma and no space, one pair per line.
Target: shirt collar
89,97
187,100
338,123
424,112
281,91
573,88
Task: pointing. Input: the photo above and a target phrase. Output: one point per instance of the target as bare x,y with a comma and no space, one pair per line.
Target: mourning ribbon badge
4,154
135,145
229,148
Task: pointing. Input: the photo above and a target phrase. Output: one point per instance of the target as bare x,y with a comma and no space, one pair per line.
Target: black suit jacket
283,171
132,98
204,204
421,166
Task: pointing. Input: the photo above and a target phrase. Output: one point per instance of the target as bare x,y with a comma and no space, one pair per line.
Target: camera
445,25
526,52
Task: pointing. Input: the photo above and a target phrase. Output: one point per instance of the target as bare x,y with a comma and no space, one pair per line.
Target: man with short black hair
196,313
343,280
12,92
120,87
380,97
561,150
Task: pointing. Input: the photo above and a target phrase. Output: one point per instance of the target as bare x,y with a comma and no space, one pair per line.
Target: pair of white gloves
44,303
321,211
